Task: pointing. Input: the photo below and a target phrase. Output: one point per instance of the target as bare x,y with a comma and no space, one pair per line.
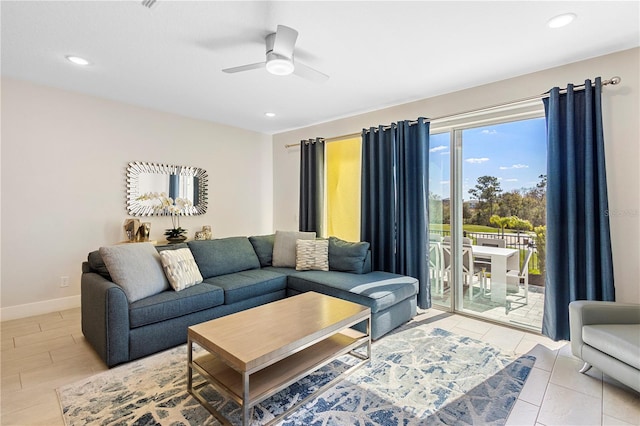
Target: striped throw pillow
180,268
312,255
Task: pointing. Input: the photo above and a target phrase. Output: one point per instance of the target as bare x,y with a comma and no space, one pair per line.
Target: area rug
417,375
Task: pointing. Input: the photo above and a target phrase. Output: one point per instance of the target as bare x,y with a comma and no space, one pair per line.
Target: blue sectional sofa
238,273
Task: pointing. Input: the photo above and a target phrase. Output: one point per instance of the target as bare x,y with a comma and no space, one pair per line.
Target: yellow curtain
343,160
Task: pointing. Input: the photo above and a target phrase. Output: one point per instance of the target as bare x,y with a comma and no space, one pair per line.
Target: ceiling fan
279,51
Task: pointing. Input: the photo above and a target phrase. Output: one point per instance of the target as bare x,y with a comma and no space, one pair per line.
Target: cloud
489,132
510,180
438,148
515,166
476,160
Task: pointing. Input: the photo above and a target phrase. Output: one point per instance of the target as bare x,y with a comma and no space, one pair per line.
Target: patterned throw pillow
312,255
180,268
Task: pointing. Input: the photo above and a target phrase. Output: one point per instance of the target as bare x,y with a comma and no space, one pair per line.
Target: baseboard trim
39,308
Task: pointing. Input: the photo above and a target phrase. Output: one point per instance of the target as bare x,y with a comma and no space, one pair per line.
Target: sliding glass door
487,216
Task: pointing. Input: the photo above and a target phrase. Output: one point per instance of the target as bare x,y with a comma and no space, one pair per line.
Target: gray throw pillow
345,256
263,246
284,247
137,268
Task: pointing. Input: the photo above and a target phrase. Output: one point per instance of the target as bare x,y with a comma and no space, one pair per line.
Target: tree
501,222
510,204
541,246
486,191
520,224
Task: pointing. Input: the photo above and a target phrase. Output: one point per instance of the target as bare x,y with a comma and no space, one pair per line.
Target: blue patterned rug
417,375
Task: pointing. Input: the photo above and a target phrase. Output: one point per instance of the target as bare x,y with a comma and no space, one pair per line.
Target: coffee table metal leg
189,368
246,410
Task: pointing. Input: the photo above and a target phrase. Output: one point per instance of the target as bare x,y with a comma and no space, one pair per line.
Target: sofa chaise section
391,297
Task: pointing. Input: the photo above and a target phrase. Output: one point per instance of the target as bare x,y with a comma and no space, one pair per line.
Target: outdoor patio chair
514,279
436,267
469,269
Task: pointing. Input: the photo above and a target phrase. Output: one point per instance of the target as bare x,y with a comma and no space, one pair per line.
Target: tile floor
39,354
528,316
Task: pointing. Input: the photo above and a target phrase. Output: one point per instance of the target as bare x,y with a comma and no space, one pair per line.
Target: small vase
176,239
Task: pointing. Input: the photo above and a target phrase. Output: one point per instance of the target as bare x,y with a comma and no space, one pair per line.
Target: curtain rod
613,81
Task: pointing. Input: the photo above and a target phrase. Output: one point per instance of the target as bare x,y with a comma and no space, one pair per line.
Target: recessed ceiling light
269,114
561,20
77,60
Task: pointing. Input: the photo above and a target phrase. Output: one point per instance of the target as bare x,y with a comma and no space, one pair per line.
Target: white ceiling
377,53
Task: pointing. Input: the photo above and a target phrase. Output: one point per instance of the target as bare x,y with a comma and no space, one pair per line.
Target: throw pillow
312,255
180,268
284,247
137,268
263,245
346,256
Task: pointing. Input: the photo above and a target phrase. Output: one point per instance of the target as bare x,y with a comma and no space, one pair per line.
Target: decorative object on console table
168,206
200,236
131,229
207,232
143,233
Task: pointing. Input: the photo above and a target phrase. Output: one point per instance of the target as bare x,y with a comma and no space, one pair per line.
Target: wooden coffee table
253,354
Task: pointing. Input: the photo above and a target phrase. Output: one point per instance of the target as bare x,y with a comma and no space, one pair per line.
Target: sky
515,153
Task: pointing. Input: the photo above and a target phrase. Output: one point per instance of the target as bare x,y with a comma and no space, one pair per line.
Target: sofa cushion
247,284
224,256
312,255
173,304
377,290
180,268
135,267
96,264
621,341
346,256
263,246
284,247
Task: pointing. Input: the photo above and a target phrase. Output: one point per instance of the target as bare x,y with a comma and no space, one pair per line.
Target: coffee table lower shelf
250,389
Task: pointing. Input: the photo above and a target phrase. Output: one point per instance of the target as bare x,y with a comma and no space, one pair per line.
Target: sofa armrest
105,318
587,312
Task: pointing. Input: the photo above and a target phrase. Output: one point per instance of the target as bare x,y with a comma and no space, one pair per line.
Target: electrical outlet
64,281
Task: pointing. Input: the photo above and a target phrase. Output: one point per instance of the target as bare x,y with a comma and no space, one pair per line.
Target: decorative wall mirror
175,181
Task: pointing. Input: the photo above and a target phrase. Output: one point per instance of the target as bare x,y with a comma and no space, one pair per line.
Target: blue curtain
395,171
311,185
579,262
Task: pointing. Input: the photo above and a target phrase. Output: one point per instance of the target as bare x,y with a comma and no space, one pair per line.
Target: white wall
621,129
64,159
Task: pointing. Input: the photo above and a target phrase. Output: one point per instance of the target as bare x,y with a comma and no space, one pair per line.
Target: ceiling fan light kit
279,57
279,66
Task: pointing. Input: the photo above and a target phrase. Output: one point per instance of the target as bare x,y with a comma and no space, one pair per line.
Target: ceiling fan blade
244,67
309,73
285,41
